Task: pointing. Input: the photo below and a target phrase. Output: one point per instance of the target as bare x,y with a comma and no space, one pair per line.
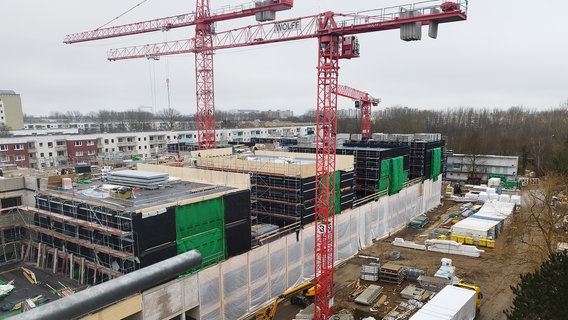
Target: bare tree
170,117
4,130
542,222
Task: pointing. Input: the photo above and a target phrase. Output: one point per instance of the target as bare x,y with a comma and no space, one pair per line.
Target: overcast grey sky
508,53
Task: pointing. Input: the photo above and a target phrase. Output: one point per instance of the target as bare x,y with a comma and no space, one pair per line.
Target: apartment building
49,150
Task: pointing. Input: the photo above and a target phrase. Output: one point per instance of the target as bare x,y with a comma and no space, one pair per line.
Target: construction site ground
49,287
490,271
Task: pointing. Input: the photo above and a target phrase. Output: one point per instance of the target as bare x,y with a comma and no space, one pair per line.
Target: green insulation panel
383,184
436,163
385,168
337,191
397,175
199,217
211,245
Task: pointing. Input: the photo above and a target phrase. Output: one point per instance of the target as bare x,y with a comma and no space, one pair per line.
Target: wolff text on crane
287,25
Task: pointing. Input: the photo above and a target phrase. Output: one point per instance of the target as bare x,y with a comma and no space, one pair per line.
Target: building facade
11,114
49,150
463,167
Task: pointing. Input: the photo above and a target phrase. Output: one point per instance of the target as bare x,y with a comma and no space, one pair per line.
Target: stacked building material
370,295
370,272
141,179
391,273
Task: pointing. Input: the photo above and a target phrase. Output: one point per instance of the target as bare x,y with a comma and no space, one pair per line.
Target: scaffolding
368,156
282,200
100,235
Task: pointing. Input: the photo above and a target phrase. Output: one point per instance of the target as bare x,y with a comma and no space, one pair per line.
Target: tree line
538,138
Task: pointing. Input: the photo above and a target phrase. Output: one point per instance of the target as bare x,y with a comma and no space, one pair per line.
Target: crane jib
288,25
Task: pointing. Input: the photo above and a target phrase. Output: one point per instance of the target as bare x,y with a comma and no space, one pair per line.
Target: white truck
451,303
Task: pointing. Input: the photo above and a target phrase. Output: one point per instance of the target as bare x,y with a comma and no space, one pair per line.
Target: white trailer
451,303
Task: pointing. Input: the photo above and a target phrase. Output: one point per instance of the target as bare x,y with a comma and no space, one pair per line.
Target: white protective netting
240,285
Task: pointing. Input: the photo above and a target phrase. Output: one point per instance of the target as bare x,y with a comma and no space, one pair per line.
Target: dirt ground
491,271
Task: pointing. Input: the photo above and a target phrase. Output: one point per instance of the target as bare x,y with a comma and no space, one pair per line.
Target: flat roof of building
177,192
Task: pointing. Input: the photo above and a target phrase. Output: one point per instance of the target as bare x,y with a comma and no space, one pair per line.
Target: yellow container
460,239
468,240
454,237
442,237
482,242
490,243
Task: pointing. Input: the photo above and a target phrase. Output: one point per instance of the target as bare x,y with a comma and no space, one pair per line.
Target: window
51,154
50,144
90,142
19,146
60,153
78,143
106,141
457,165
60,143
3,147
41,154
4,158
78,153
19,157
91,152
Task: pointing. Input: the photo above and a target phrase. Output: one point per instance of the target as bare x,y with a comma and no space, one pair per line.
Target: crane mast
204,86
336,40
364,102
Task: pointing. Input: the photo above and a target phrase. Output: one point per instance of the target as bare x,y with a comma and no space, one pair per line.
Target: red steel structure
364,102
334,32
203,21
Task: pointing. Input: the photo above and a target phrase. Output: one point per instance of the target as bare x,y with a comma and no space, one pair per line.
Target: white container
450,303
67,183
493,196
504,198
483,196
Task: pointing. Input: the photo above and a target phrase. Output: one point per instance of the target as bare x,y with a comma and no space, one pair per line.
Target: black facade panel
237,206
157,254
155,230
238,235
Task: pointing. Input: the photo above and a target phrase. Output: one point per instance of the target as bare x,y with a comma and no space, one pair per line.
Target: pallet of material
370,295
391,273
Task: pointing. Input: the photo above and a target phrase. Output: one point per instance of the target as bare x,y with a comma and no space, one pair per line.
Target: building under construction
282,183
99,231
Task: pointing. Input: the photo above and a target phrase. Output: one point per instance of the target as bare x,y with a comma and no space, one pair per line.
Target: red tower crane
364,102
335,33
203,21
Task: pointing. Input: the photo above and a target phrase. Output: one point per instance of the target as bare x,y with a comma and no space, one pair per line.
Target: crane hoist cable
122,14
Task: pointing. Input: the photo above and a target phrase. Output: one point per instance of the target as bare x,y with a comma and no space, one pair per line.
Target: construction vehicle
450,303
478,294
303,299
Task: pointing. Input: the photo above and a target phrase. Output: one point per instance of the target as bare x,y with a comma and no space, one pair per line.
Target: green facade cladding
201,226
393,175
436,163
337,191
337,194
